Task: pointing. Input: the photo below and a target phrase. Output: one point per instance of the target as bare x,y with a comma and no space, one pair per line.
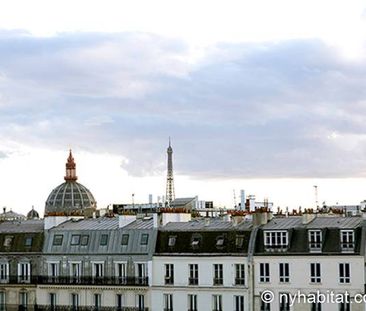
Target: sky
266,96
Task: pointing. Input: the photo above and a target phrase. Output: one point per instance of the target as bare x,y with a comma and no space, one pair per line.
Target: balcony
169,280
218,281
88,280
87,308
240,281
19,280
193,281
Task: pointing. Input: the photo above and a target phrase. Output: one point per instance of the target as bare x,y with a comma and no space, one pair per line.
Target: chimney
261,217
242,199
252,203
308,216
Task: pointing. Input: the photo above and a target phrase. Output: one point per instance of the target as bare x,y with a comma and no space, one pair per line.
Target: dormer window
172,240
239,241
347,240
315,240
8,240
220,241
276,239
195,243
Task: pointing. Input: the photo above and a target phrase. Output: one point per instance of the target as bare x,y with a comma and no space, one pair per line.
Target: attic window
125,238
84,240
57,239
28,241
104,239
172,240
75,240
220,241
144,239
8,240
195,242
239,241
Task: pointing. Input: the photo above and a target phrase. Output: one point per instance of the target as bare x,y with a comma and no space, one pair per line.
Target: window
220,242
52,299
74,302
141,274
344,306
97,301
8,240
347,240
2,301
275,239
28,241
140,302
125,238
239,241
315,240
75,272
98,269
24,272
84,240
172,240
121,273
57,239
119,302
192,302
218,278
284,270
53,269
284,302
23,300
239,274
265,306
238,303
316,306
75,239
4,272
264,272
168,302
315,273
169,274
144,239
195,242
216,303
193,274
344,273
104,239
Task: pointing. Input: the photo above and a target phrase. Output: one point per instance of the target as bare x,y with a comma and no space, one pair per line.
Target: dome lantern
70,168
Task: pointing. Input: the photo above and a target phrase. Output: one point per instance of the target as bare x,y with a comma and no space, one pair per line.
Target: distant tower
170,196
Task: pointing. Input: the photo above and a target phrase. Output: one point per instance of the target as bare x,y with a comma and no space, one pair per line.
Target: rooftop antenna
235,206
316,196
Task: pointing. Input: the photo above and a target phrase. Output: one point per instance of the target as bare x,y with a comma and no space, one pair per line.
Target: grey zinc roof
206,225
89,224
94,229
34,225
335,222
283,223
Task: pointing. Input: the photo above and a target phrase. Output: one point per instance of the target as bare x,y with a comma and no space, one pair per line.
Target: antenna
235,205
316,196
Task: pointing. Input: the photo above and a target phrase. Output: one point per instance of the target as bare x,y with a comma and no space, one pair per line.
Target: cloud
287,109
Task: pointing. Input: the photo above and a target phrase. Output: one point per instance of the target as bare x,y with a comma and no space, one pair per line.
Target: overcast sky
265,96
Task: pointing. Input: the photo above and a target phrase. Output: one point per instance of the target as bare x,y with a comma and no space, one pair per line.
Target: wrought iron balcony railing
86,308
82,280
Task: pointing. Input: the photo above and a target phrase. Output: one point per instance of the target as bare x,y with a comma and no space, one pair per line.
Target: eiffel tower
170,195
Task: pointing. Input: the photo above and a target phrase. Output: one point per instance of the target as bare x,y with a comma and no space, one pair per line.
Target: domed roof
32,214
70,198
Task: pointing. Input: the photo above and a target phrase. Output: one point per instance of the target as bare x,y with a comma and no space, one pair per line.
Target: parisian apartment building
176,259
